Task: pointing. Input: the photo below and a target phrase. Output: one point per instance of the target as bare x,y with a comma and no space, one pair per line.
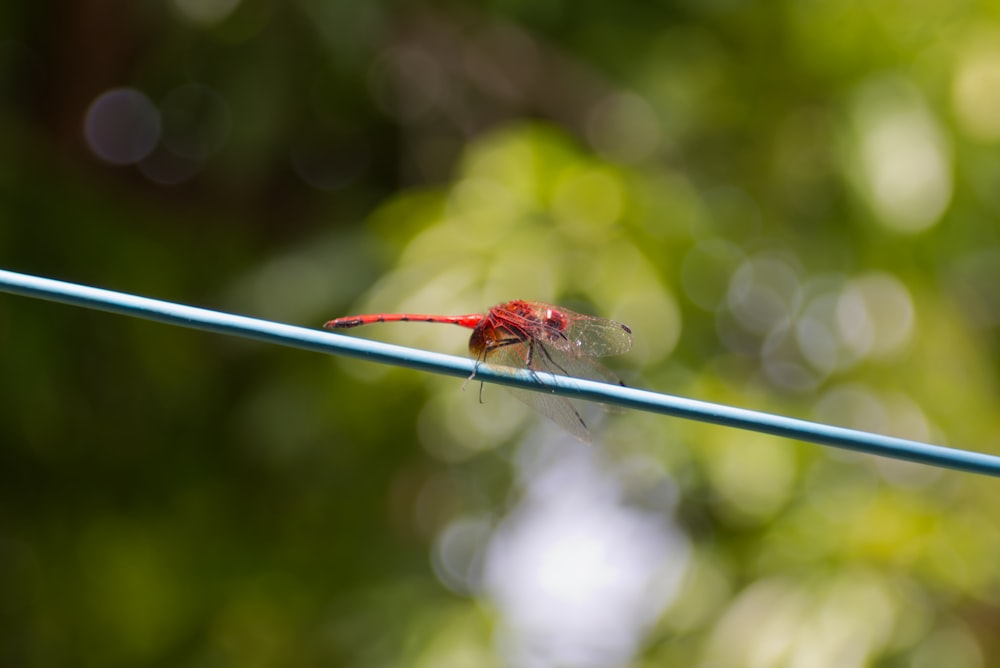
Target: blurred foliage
792,204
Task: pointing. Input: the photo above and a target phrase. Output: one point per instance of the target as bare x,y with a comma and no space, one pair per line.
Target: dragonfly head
479,343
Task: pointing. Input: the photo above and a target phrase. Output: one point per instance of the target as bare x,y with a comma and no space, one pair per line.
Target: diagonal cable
326,342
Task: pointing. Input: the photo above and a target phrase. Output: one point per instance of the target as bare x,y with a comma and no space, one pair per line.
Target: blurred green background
792,204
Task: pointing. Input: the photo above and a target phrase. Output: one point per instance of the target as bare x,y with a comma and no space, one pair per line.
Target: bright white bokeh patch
902,155
578,575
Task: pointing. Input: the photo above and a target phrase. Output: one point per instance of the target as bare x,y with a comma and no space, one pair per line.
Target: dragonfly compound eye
555,319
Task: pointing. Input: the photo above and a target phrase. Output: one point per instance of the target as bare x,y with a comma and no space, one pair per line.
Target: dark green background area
793,205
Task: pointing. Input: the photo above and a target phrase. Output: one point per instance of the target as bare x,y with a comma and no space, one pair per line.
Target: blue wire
327,342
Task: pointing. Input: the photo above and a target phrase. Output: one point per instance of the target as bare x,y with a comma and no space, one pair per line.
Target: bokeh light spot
904,156
122,126
458,553
976,87
763,292
844,621
853,405
876,315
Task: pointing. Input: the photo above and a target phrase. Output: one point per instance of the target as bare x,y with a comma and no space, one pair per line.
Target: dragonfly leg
475,370
549,358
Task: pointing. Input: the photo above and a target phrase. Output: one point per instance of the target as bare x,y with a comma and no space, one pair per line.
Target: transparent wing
537,356
598,337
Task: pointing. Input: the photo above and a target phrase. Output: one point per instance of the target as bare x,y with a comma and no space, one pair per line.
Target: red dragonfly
534,336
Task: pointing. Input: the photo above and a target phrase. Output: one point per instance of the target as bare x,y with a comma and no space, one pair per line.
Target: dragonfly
535,336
